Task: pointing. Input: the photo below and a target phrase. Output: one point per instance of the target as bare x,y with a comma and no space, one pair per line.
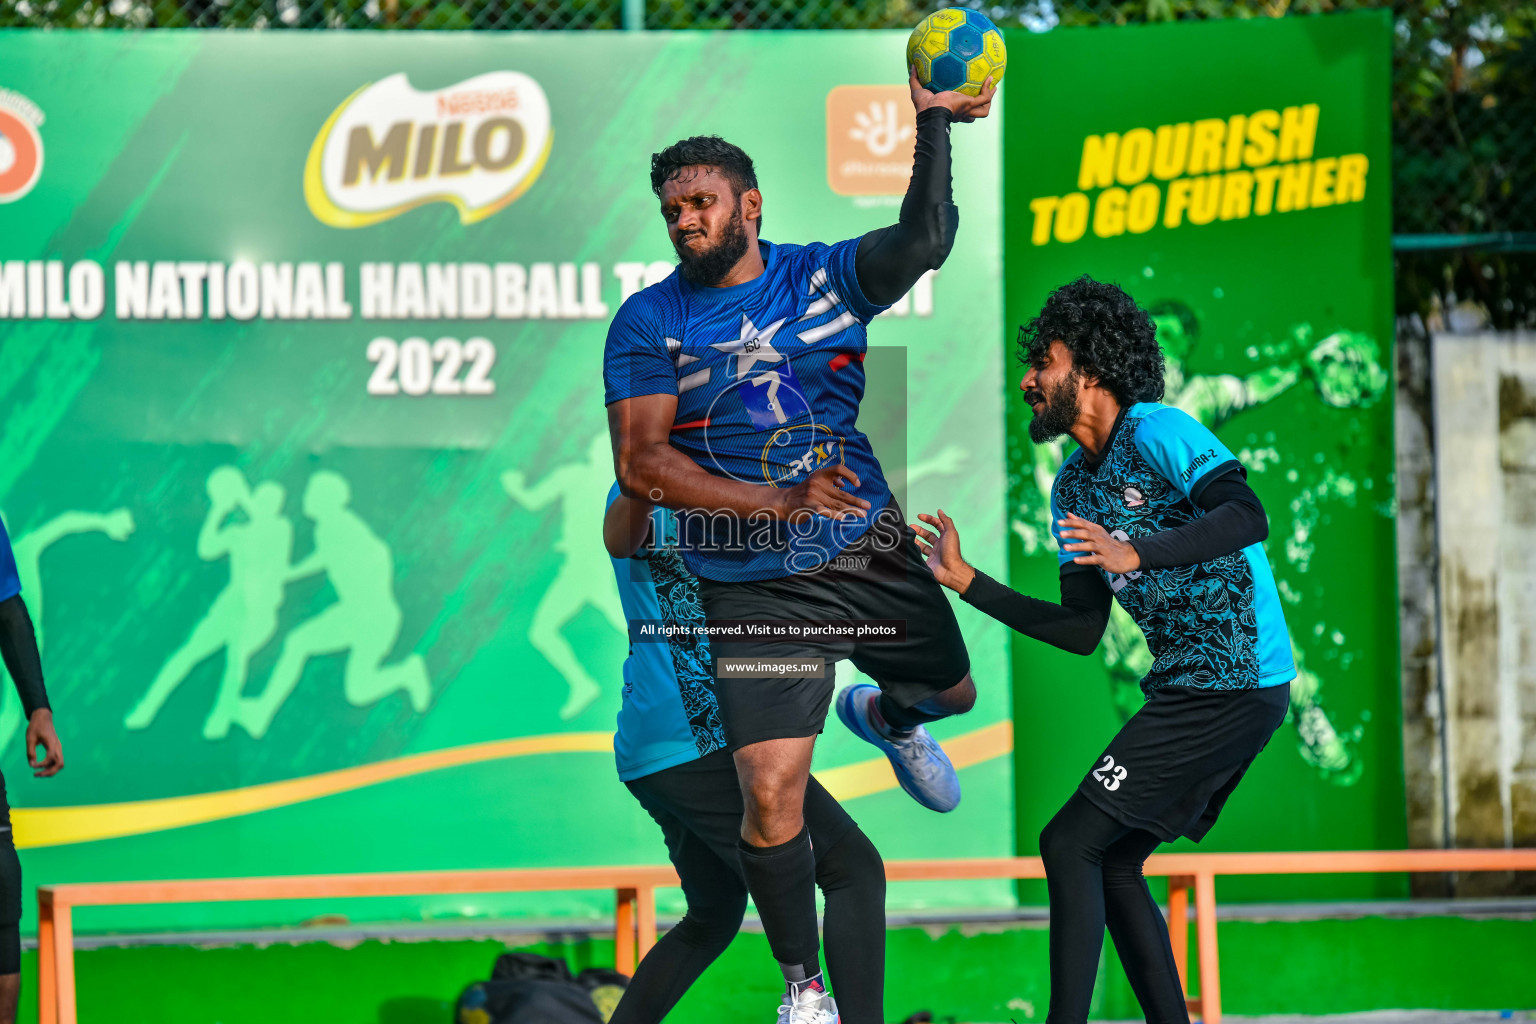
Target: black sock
900,718
782,881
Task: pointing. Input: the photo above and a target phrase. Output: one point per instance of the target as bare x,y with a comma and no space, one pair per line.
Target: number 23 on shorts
1110,774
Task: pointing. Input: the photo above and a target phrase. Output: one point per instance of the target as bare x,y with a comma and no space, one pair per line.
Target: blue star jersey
669,715
768,376
10,578
1216,625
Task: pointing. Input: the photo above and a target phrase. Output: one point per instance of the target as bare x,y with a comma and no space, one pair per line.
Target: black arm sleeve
1233,519
890,260
18,646
1076,625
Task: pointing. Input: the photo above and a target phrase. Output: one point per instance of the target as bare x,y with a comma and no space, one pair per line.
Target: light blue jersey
670,715
1214,625
10,578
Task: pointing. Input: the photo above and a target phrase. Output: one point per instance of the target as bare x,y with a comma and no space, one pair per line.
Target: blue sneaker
922,767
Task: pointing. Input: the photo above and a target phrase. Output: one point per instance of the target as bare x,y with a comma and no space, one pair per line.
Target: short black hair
704,151
1110,338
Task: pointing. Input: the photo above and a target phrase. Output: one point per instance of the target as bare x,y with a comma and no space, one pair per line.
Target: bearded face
705,256
1054,404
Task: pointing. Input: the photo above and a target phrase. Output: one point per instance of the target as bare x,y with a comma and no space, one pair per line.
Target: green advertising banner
304,454
1233,177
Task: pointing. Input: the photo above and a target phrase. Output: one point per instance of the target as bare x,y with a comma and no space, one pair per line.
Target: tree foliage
1463,100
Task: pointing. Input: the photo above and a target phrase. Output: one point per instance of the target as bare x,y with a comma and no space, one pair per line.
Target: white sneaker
809,1007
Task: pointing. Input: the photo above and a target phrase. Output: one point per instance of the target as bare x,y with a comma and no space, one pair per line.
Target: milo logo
390,148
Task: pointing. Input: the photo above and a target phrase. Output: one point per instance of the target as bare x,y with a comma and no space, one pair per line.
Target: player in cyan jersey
671,753
1155,512
18,648
733,388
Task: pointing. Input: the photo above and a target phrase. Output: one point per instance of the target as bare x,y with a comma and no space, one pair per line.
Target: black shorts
699,808
880,575
1171,768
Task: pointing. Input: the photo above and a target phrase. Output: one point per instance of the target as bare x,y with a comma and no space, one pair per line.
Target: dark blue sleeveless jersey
768,377
1215,625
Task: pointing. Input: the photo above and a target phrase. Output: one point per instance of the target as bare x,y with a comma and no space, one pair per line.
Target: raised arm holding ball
733,390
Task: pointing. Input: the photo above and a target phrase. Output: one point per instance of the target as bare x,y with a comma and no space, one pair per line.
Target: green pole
634,15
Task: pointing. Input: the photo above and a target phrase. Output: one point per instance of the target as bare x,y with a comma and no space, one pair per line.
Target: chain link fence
1463,107
441,15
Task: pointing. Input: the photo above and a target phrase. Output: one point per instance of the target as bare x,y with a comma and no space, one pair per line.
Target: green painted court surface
985,974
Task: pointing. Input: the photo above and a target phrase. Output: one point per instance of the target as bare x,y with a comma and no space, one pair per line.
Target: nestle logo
1200,460
477,102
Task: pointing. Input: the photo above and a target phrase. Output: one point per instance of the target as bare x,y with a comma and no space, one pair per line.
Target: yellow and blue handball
956,49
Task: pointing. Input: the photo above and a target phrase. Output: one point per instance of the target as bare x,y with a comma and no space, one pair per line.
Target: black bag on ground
606,986
526,988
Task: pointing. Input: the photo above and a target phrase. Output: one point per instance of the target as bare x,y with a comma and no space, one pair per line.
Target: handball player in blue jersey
18,649
733,390
671,753
1153,511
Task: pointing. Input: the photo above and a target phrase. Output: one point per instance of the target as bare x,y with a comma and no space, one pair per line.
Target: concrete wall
1467,547
1418,592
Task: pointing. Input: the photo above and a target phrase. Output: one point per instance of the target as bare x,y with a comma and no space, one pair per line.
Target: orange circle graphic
17,180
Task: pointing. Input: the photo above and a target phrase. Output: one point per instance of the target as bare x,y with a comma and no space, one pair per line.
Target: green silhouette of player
584,576
28,550
1346,371
243,617
365,620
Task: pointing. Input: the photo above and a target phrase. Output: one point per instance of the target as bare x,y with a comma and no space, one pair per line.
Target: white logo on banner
390,148
880,129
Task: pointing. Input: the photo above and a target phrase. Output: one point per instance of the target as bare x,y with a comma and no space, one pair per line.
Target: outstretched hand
942,552
961,107
1097,546
40,733
119,524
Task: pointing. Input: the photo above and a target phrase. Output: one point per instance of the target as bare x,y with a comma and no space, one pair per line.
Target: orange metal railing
635,898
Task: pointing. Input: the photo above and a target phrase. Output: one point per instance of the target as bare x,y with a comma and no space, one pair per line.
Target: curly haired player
1152,511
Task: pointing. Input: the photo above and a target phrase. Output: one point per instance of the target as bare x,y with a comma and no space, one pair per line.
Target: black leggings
1093,874
10,895
10,949
851,876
